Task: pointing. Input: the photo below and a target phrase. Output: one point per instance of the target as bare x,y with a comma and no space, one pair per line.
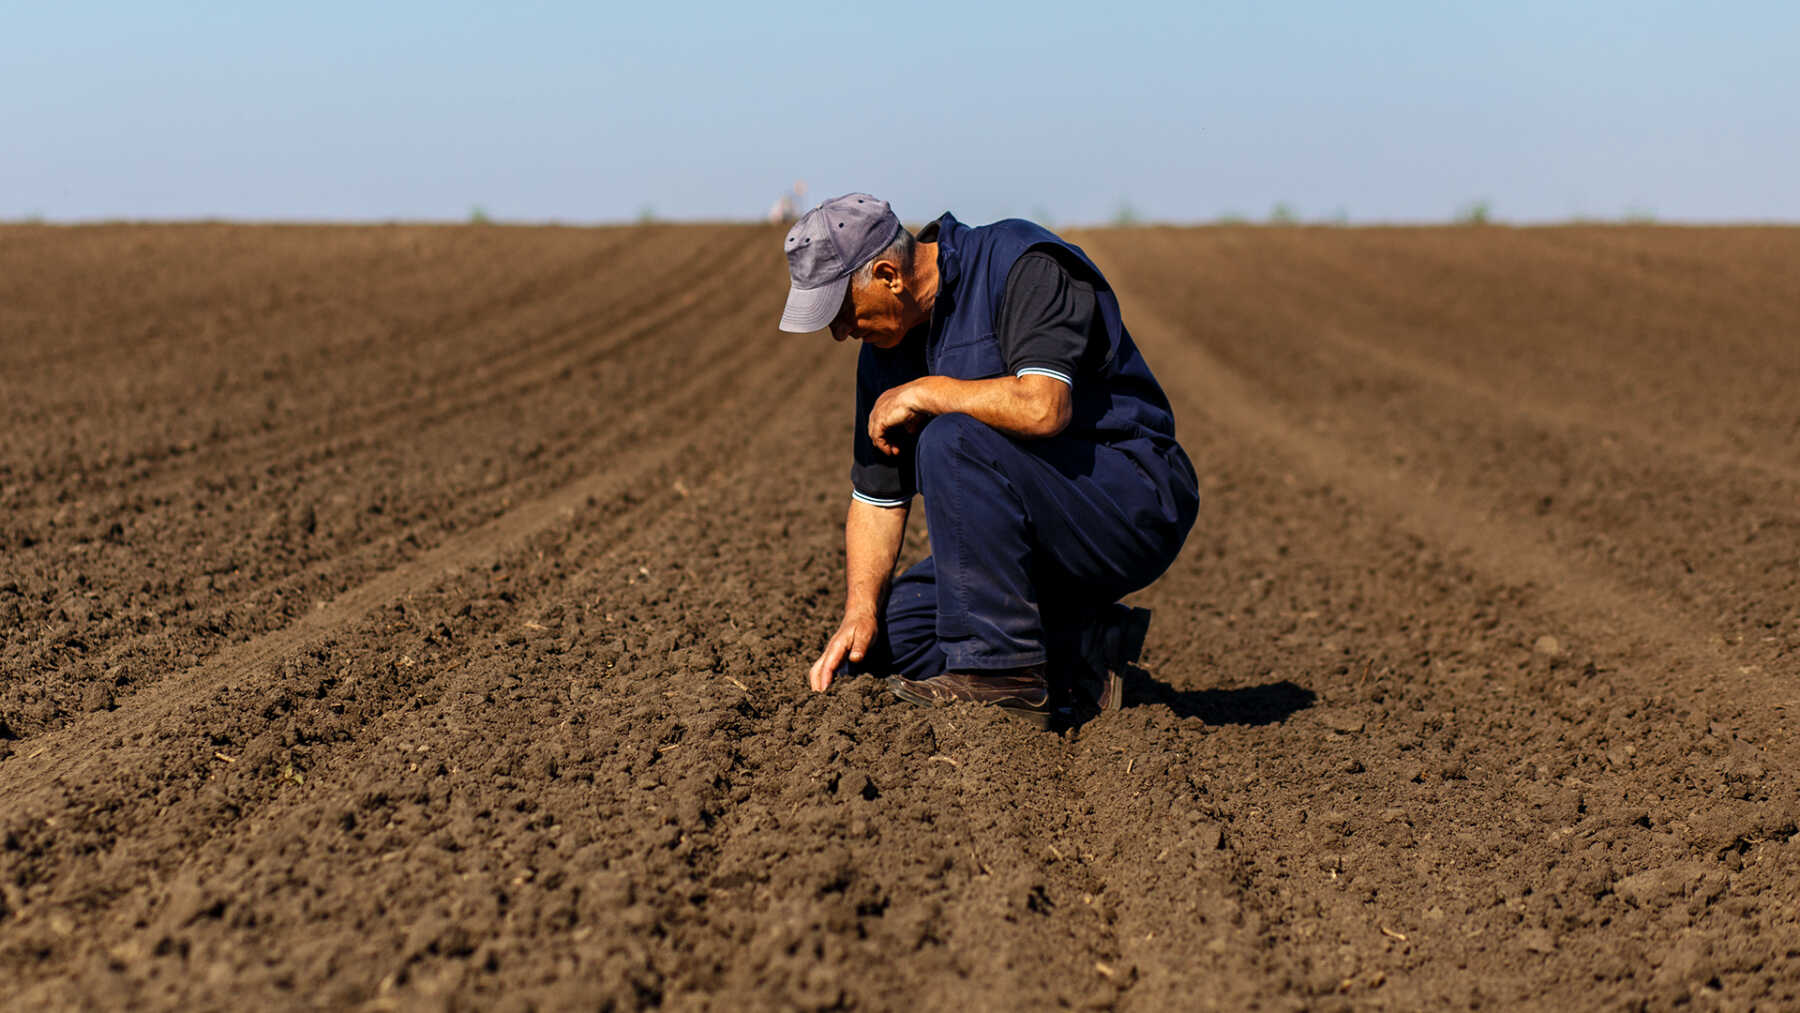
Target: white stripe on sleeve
1041,371
858,495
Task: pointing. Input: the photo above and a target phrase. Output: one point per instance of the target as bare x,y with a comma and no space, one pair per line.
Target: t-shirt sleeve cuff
863,497
1046,371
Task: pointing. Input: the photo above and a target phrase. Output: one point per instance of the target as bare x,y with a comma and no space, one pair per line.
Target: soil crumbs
403,617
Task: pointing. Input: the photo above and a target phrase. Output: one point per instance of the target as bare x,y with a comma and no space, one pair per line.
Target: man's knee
949,436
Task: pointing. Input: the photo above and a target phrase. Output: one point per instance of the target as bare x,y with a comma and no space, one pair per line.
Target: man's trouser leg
1029,537
907,643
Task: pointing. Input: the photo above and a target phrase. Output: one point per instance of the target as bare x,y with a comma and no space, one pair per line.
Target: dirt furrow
276,594
642,424
1634,624
1623,508
1704,453
203,687
1472,687
768,373
562,343
402,264
1603,341
1624,702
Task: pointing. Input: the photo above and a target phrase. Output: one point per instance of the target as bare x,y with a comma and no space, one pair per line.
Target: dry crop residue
418,616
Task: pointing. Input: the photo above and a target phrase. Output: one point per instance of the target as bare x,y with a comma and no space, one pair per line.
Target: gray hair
900,251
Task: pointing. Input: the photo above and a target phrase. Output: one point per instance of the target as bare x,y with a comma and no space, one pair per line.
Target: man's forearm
872,537
1032,407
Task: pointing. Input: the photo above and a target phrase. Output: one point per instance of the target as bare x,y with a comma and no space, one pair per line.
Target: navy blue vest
1123,402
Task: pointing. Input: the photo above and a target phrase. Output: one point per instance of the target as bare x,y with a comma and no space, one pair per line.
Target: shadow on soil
1246,705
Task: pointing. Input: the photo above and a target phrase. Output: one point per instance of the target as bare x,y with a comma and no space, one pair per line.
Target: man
996,379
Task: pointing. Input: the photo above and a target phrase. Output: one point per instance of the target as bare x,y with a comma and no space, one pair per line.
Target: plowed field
418,617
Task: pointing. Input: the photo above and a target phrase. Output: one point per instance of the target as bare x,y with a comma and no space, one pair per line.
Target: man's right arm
872,536
883,488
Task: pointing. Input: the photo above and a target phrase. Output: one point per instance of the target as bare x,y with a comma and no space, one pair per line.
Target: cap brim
809,309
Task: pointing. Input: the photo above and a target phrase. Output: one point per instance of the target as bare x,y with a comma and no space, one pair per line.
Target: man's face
874,313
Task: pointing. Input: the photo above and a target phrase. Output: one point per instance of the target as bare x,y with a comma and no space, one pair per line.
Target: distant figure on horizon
996,379
787,207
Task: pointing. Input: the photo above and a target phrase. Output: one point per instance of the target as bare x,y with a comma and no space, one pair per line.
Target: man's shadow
1266,704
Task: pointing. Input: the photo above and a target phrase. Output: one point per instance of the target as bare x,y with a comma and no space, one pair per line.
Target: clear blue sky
1188,111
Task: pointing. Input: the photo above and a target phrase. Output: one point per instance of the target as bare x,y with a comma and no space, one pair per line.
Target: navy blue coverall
1030,538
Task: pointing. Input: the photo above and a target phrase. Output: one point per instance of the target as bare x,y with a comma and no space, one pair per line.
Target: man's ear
888,273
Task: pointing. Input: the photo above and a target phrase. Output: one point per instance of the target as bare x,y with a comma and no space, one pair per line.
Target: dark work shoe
1107,647
1022,692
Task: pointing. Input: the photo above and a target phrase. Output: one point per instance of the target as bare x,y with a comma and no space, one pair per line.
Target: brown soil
417,617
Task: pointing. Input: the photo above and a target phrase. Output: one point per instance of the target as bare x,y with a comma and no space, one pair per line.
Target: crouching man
996,379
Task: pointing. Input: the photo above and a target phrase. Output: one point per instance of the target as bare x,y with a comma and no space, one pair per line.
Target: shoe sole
1128,646
1037,717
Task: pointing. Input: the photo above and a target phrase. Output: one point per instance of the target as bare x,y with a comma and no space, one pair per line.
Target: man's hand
1031,407
851,641
897,409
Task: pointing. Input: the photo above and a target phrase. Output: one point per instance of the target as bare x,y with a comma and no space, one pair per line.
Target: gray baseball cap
824,248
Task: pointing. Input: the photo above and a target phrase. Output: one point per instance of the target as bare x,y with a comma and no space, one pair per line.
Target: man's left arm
1043,329
1031,407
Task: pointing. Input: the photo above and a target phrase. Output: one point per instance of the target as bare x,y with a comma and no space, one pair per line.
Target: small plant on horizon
1126,216
647,215
1283,214
1637,214
478,216
1231,218
1478,212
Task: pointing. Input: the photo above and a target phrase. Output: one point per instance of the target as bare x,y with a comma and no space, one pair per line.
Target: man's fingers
823,669
819,675
851,642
